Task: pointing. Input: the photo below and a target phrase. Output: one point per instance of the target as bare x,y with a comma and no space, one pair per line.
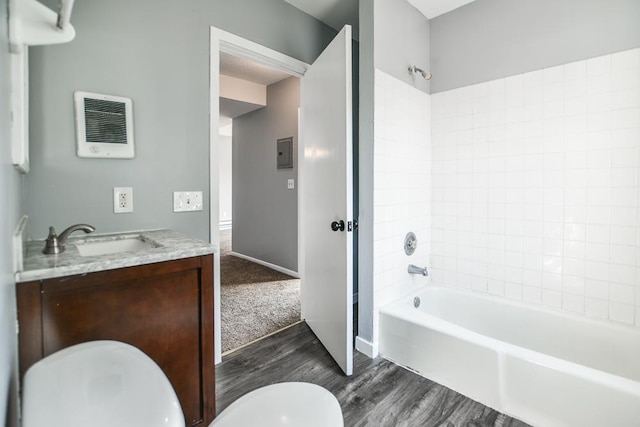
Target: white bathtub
543,367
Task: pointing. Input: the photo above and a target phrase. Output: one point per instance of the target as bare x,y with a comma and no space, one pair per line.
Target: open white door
327,203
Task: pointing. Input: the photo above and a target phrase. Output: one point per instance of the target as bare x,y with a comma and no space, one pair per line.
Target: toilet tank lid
99,383
283,404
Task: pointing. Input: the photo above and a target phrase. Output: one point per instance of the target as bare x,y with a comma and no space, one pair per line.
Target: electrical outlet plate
122,199
291,184
187,201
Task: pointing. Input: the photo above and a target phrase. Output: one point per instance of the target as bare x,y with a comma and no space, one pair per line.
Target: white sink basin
114,245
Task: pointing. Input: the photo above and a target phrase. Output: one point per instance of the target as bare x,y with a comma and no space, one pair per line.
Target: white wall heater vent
104,126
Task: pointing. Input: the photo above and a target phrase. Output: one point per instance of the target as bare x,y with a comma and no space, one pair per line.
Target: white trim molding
238,46
267,264
367,348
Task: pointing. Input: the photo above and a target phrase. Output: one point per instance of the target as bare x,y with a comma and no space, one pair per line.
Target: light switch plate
122,199
187,201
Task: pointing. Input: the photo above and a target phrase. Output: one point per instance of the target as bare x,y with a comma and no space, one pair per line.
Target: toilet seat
288,404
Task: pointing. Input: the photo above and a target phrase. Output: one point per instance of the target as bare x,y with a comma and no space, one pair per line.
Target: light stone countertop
173,245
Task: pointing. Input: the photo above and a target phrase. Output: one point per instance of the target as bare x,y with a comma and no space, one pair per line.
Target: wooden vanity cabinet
165,309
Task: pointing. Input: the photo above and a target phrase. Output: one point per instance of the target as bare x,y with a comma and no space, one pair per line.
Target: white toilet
110,383
283,404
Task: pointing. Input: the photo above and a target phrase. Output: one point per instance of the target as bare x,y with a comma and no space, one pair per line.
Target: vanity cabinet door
164,309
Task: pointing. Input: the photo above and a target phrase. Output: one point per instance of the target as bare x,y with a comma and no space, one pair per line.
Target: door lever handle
337,225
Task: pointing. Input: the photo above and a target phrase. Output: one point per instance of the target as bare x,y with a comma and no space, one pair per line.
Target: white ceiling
232,108
245,69
433,8
336,13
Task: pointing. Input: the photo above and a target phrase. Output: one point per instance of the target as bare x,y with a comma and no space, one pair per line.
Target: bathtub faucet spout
414,269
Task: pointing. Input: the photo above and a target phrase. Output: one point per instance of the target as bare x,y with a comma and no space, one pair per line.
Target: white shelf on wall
30,24
33,24
20,110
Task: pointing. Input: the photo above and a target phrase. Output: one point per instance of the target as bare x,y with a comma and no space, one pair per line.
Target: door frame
223,41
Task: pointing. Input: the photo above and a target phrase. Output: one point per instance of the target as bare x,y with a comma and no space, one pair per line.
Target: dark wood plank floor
378,394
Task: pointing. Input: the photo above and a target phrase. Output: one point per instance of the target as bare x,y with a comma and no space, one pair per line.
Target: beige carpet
255,300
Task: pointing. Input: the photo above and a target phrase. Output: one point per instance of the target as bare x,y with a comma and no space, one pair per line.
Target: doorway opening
325,216
258,200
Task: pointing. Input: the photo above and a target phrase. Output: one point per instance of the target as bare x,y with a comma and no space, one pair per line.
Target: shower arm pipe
415,69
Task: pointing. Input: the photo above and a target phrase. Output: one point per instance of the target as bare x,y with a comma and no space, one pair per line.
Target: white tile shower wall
535,187
402,187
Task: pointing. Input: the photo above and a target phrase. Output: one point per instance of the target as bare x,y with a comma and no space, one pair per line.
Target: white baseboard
367,348
267,264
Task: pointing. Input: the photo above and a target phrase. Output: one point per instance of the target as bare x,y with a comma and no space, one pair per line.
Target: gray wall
265,212
10,206
401,39
393,36
489,39
159,57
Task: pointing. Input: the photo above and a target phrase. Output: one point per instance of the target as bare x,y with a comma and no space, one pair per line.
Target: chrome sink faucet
55,244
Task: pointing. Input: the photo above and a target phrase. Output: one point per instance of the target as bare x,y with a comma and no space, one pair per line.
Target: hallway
255,300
